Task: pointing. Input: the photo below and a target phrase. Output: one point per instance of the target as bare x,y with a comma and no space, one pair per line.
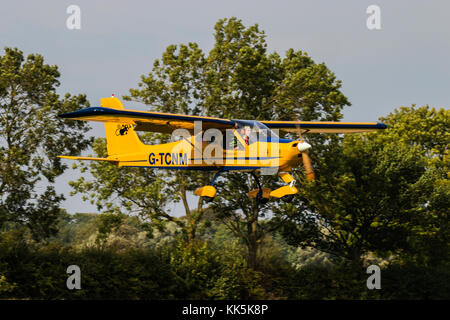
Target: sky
405,62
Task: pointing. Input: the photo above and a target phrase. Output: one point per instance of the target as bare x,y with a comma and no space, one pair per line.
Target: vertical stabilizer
120,137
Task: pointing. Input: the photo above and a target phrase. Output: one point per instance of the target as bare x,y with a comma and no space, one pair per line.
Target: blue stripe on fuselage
204,168
273,140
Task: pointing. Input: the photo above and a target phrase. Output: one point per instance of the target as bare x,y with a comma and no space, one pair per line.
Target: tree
176,84
377,191
31,136
237,79
136,191
425,128
243,81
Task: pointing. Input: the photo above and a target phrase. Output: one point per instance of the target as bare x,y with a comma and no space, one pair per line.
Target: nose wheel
261,195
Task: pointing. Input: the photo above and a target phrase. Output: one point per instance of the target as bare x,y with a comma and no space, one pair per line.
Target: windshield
251,131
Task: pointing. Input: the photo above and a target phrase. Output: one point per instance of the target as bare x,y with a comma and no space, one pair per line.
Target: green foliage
245,82
238,78
196,265
381,192
409,280
194,270
379,198
427,129
107,223
5,286
31,137
138,191
424,127
201,269
41,273
75,229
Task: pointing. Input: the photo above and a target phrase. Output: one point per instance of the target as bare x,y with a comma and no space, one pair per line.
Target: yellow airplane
210,144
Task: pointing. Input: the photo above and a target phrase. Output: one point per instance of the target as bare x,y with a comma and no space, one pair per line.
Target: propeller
303,148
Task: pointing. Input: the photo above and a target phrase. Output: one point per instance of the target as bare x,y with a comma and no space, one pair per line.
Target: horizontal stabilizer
88,158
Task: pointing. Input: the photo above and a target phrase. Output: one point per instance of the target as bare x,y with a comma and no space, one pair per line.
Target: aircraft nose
303,146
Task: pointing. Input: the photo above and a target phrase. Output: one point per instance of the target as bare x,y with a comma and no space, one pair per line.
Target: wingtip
381,125
81,112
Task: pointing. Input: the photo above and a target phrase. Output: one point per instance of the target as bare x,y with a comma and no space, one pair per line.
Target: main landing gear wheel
208,199
260,199
208,192
261,195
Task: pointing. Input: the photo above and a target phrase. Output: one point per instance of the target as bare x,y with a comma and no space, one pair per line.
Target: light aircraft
210,144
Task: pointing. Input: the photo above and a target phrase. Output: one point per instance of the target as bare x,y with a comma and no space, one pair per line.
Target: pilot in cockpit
245,133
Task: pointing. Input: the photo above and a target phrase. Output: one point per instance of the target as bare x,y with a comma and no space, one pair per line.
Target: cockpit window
253,131
248,132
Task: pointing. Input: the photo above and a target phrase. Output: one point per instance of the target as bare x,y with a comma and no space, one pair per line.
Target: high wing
167,122
148,121
324,126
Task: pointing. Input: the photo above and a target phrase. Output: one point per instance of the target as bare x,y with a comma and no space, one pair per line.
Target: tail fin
120,137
